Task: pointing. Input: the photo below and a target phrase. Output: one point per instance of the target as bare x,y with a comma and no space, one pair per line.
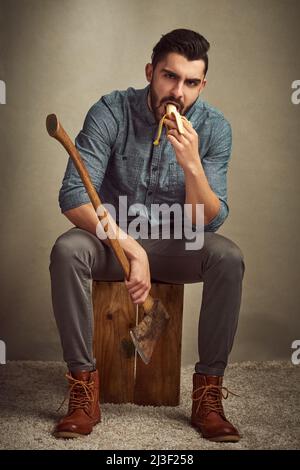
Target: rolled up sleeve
94,143
215,165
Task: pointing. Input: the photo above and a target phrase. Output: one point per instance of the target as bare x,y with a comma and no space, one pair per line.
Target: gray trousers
78,257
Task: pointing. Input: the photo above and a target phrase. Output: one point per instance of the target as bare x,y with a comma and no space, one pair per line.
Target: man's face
177,80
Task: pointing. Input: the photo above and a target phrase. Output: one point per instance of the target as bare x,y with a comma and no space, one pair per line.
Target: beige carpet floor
267,412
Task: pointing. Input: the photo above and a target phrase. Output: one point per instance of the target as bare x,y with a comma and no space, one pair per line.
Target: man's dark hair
188,43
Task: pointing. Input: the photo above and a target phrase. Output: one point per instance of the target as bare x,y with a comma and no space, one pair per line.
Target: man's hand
139,283
186,146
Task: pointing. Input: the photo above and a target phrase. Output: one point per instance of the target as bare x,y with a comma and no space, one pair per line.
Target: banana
170,109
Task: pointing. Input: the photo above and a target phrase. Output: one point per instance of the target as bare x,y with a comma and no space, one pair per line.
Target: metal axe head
149,330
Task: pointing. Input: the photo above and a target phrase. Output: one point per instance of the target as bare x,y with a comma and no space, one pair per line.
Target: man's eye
169,75
192,83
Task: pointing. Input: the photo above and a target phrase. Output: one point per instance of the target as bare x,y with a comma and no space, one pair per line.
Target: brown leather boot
207,410
84,410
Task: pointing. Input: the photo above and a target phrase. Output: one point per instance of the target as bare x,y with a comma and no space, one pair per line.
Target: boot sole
225,438
68,435
229,438
72,435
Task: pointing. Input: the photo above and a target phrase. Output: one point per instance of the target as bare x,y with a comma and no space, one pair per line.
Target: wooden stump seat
123,375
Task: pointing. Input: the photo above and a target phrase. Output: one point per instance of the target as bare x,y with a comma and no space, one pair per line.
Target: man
116,143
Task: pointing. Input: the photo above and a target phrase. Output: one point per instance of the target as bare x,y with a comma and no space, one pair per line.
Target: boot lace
81,394
210,399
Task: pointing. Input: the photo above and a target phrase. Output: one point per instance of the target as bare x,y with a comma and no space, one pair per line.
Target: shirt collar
144,109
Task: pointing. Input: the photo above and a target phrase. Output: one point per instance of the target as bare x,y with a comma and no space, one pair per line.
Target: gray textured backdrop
61,56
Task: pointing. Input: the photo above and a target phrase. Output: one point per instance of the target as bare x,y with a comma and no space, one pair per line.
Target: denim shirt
116,144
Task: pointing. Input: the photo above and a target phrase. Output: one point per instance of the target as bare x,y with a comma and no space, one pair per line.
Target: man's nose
177,90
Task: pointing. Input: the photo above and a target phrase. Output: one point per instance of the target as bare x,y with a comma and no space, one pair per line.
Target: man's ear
149,72
204,81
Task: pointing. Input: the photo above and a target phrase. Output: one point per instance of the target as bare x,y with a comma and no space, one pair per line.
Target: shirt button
154,168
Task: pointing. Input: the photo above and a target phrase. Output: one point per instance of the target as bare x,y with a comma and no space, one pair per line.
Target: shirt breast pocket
124,171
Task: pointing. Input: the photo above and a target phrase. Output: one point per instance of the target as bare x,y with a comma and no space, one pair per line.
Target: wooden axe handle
56,130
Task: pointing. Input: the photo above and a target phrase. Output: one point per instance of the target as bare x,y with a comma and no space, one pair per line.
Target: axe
148,331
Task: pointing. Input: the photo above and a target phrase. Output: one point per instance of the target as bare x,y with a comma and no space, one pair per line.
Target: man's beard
156,103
